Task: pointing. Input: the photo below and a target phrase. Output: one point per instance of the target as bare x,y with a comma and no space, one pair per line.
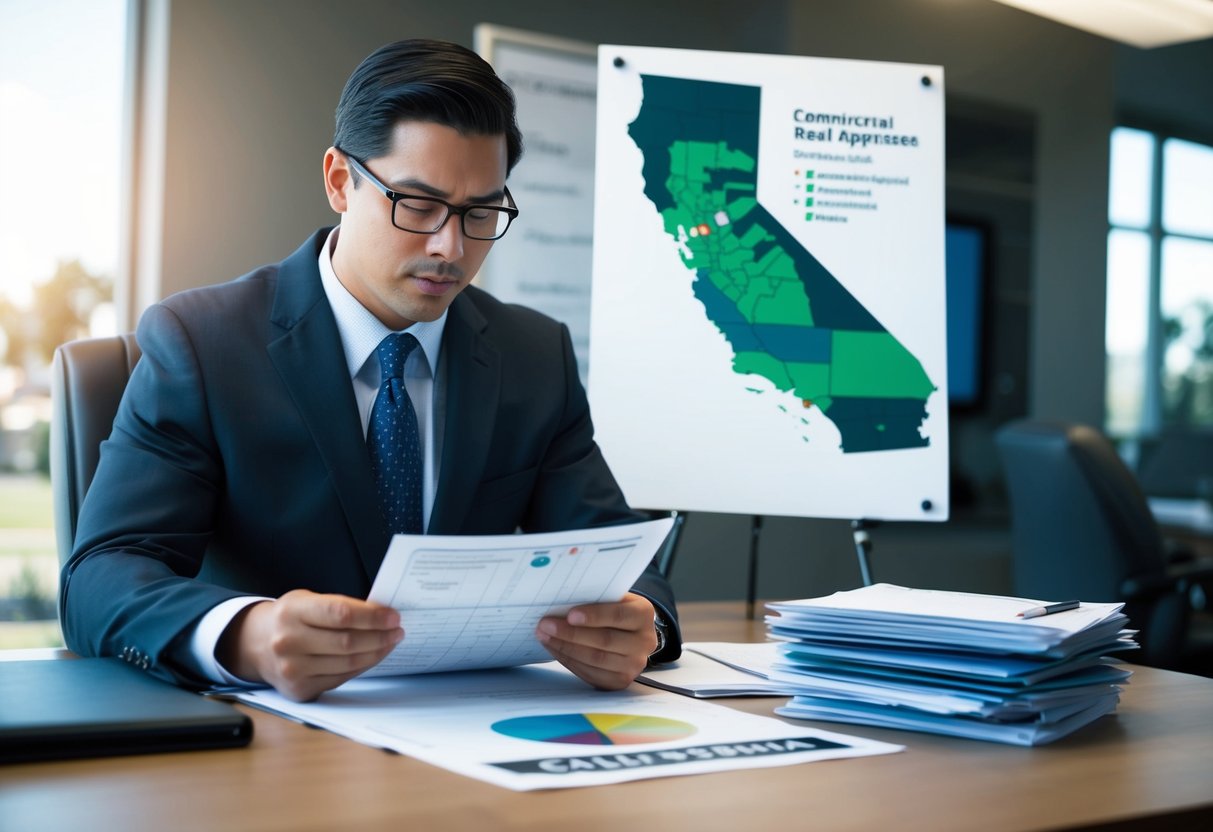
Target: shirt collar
361,332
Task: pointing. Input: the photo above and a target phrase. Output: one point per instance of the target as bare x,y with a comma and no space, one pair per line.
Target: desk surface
1155,757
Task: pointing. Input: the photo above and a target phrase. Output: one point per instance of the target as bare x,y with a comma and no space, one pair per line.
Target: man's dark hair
423,80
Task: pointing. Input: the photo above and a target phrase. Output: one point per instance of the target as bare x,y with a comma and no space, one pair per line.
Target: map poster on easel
768,307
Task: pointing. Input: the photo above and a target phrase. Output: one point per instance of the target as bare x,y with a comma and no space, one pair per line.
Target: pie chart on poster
594,729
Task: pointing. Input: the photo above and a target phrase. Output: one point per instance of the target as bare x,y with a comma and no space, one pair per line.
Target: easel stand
752,582
665,555
863,550
863,547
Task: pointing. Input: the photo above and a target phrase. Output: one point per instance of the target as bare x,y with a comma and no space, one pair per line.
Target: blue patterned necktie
393,440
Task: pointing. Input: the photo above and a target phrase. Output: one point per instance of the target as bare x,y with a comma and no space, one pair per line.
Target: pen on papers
1049,609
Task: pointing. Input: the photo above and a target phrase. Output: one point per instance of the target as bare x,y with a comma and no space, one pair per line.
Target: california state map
787,318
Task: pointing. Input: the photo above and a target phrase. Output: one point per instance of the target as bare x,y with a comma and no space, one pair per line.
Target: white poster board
768,316
544,261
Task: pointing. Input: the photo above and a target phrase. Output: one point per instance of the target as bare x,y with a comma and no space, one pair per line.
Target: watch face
660,627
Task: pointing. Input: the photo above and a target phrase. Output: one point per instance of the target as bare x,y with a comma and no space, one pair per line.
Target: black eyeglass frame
510,210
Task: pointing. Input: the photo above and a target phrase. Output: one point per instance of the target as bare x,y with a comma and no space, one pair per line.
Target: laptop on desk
60,709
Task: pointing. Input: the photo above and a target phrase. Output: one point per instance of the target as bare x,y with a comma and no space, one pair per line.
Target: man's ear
337,179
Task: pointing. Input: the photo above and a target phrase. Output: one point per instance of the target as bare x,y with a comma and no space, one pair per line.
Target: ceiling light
1143,23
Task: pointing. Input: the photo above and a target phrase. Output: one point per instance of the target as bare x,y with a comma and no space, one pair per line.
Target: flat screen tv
966,245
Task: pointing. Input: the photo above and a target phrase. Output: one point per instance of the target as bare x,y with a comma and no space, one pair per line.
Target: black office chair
87,381
1179,465
1081,528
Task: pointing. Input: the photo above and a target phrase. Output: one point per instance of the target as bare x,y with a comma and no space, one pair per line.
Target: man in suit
247,494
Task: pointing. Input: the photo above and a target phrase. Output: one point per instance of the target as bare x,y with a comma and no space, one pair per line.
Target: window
62,68
1160,284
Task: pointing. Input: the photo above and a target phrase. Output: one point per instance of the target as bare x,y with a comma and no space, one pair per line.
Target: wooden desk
1154,759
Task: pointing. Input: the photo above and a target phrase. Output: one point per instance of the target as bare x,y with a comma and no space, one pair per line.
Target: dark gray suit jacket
237,463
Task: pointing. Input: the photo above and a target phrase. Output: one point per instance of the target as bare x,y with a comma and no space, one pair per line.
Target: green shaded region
752,236
736,159
739,207
811,382
787,305
765,288
756,289
677,221
763,364
874,364
778,264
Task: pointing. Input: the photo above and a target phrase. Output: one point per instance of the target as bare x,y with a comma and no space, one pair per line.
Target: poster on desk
540,727
768,306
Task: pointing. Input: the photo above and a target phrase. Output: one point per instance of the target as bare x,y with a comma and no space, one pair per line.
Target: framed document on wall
546,259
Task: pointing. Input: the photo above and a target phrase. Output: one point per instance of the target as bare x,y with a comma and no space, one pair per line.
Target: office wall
1170,88
252,85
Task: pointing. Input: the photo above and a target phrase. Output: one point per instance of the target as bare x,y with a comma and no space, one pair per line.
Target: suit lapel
309,357
471,364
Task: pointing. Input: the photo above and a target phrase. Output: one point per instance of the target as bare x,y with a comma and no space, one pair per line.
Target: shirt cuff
205,639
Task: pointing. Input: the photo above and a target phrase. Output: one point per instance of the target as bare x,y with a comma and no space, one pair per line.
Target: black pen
1049,609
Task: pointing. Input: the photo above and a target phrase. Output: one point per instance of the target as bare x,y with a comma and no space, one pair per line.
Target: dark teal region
784,342
878,424
721,178
720,309
795,343
831,305
679,109
761,248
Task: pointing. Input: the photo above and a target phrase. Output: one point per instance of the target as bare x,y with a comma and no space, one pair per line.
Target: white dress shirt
361,333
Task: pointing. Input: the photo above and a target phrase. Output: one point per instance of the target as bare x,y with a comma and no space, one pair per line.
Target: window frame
1151,422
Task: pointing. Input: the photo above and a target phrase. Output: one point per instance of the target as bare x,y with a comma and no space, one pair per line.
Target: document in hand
468,603
949,662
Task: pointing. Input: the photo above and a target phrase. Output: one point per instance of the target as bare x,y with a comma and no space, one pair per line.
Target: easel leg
863,547
752,583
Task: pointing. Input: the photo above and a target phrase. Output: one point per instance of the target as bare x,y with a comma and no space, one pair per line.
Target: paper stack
949,662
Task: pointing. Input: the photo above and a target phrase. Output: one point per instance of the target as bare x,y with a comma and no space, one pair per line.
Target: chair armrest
1144,587
1179,577
1192,571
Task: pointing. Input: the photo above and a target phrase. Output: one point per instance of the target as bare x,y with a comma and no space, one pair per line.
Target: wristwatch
663,631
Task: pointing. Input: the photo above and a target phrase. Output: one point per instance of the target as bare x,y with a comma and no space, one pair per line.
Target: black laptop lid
98,707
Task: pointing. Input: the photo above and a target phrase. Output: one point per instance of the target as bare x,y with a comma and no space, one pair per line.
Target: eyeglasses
427,214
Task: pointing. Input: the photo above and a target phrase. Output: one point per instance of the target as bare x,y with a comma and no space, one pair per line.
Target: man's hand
607,645
304,643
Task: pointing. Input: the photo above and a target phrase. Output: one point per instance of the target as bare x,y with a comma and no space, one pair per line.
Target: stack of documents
949,662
